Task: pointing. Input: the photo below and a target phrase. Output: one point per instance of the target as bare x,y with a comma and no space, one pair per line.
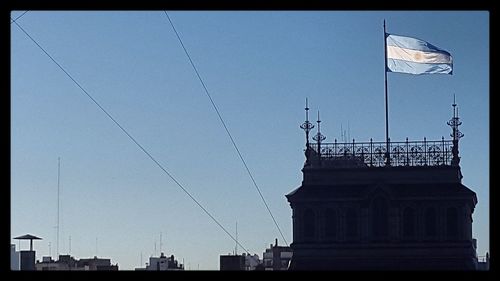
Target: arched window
380,218
451,223
430,222
330,223
408,223
309,224
351,224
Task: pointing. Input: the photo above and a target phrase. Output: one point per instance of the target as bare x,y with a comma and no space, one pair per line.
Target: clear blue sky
259,67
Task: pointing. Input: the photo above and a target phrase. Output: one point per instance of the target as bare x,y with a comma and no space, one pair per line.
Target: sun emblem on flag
417,56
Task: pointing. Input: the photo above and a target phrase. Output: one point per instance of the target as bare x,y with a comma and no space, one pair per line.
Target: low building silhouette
277,257
14,258
95,263
239,262
67,263
27,257
232,262
251,261
162,263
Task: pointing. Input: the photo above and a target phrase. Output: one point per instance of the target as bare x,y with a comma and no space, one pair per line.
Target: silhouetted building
483,262
239,262
67,262
232,262
27,258
277,257
361,208
48,264
14,258
95,264
162,263
251,261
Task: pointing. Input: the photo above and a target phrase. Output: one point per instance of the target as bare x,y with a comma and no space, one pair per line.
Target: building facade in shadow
382,206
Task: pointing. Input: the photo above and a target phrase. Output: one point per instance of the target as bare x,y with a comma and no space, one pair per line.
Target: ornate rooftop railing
373,154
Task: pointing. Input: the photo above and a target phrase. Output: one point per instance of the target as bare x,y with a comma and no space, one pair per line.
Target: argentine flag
415,56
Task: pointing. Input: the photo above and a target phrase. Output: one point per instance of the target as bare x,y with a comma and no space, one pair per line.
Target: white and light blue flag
415,56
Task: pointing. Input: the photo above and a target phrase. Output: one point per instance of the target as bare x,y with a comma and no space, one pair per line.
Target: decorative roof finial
307,126
319,137
455,134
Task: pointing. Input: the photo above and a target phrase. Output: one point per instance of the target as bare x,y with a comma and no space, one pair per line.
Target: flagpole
387,155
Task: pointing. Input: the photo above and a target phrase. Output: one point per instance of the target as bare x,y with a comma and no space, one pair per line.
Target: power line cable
225,127
133,139
14,20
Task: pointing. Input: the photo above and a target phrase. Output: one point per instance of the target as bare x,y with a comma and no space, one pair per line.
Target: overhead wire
14,20
225,127
131,137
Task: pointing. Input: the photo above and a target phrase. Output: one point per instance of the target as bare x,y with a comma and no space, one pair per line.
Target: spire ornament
307,127
455,133
319,138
